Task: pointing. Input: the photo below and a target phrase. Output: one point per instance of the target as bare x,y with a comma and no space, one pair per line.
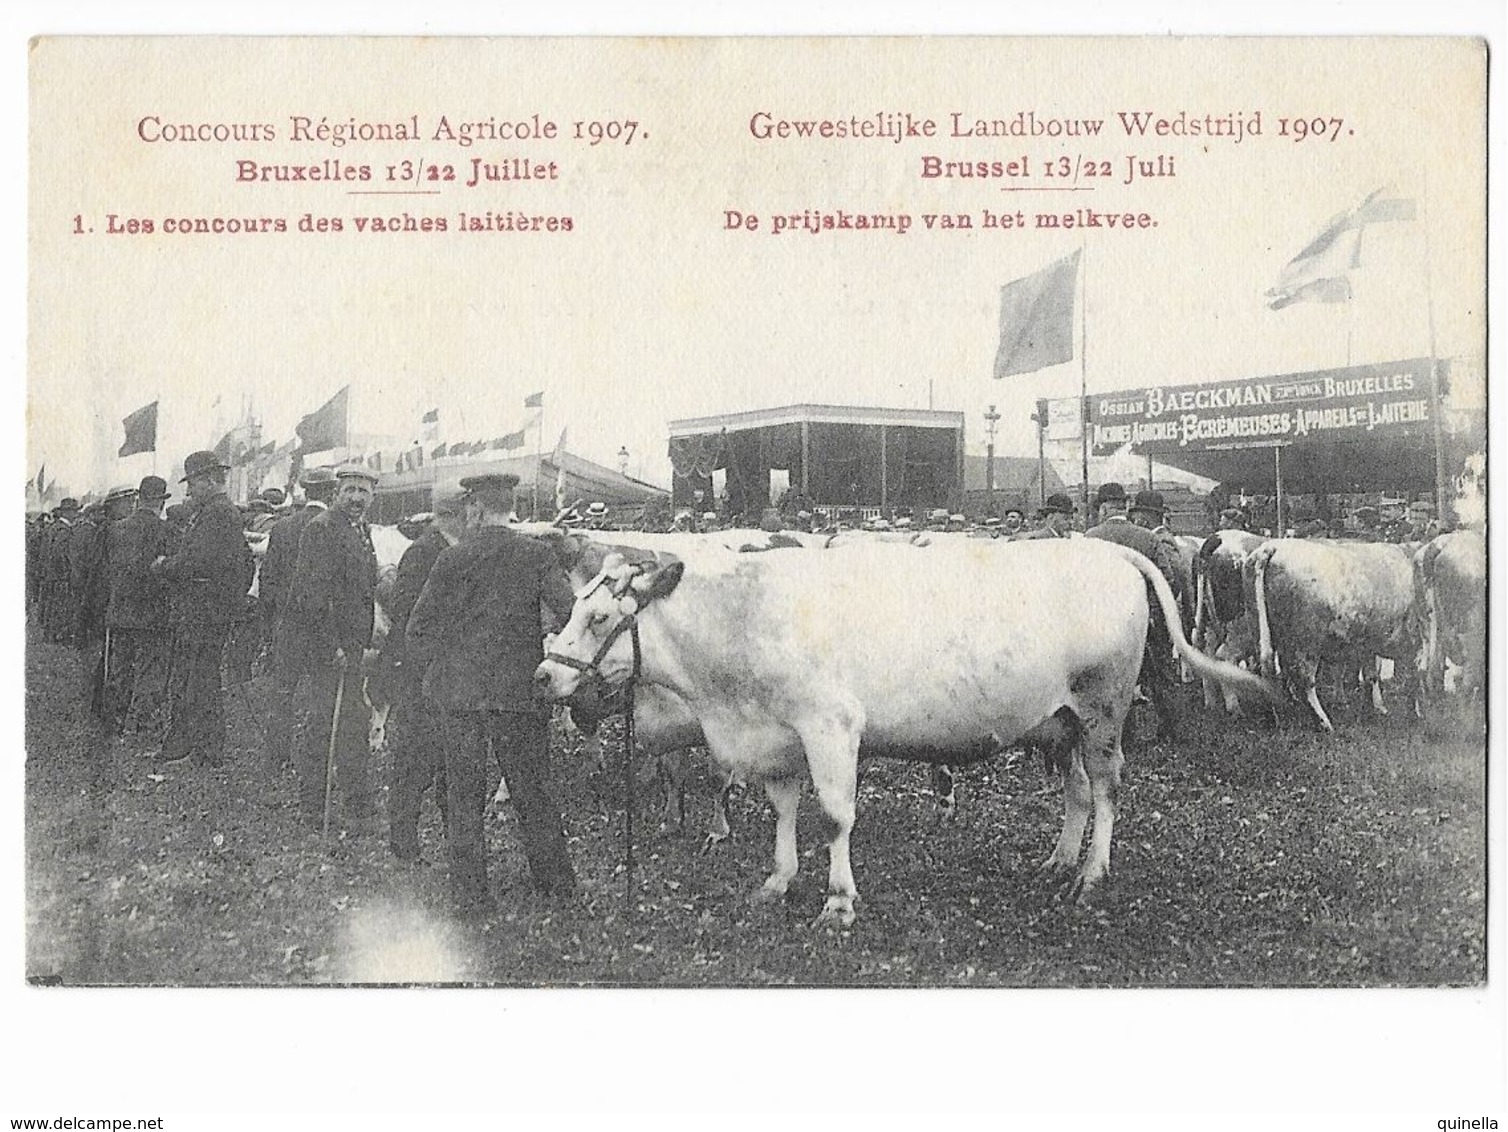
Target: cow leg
944,789
835,780
1077,802
1103,764
1371,674
672,768
785,795
1305,672
719,829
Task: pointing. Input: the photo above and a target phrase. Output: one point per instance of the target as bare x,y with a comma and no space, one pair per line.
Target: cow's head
598,640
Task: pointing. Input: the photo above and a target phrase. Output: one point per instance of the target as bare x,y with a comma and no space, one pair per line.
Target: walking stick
340,693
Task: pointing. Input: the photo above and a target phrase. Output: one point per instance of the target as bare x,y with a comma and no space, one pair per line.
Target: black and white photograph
979,514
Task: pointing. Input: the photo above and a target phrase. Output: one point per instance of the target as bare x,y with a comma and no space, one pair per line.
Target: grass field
1244,856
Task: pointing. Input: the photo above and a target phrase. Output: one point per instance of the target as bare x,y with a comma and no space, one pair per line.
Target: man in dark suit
289,662
90,555
415,725
57,604
137,615
326,630
208,578
477,630
1157,668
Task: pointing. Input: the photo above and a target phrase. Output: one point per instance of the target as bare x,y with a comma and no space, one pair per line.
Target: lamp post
1040,417
991,419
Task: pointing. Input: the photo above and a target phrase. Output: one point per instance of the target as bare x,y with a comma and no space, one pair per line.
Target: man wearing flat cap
415,724
1157,668
136,618
288,663
207,577
326,630
476,630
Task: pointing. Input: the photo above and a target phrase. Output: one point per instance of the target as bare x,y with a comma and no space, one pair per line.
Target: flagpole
1084,378
539,452
1434,361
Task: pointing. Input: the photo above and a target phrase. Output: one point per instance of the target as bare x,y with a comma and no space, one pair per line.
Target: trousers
196,723
352,744
415,732
519,741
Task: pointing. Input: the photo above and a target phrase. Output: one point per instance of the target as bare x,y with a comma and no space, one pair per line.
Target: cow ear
659,583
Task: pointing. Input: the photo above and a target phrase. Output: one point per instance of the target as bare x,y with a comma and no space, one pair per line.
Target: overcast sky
649,309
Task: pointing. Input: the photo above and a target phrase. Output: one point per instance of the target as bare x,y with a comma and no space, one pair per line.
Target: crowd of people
160,603
155,598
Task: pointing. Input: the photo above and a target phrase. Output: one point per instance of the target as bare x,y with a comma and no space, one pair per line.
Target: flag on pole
42,480
431,417
535,400
558,459
511,441
326,427
1321,272
1036,319
141,431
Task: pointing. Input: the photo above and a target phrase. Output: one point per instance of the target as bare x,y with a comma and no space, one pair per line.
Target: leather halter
628,623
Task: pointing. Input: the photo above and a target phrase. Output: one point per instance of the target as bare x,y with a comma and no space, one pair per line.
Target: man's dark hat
274,495
178,511
1233,515
1060,503
1151,501
1110,493
315,476
68,504
153,487
121,491
259,506
197,463
496,487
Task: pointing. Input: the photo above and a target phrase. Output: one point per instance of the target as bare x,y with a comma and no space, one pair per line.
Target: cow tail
1259,560
1200,610
1225,673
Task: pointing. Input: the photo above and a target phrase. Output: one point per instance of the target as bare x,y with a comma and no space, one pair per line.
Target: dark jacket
137,599
476,629
89,573
1127,533
401,680
330,599
210,573
280,558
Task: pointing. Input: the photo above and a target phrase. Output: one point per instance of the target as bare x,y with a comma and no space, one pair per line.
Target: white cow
1347,602
788,661
1451,578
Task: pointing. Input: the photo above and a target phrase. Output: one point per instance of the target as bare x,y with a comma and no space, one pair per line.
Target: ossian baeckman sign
1381,400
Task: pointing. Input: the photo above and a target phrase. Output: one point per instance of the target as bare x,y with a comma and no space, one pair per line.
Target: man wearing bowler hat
136,619
289,661
476,629
1157,669
207,577
326,629
1057,519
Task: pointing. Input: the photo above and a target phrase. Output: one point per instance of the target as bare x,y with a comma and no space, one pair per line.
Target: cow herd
792,657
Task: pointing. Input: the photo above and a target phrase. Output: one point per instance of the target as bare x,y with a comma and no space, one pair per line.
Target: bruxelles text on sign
1392,399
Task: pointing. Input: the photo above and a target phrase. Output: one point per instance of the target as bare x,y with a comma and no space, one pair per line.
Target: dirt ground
1245,855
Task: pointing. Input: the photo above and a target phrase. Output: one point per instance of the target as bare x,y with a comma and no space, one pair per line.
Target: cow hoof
766,895
833,919
1053,867
714,841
